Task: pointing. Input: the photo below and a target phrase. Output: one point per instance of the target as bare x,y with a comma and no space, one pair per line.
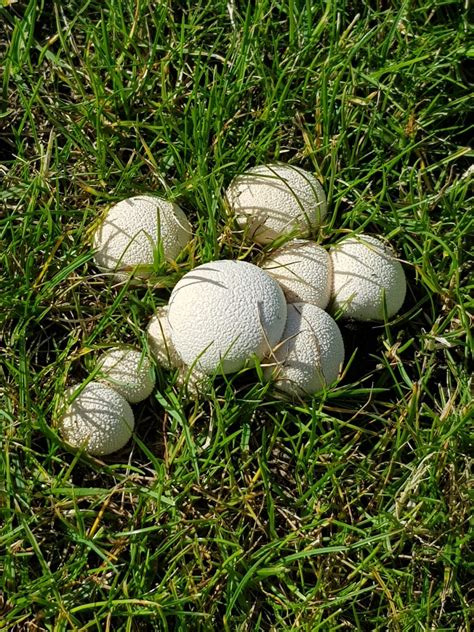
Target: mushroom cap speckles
365,275
311,352
192,380
303,270
159,340
223,313
273,200
133,231
98,419
129,372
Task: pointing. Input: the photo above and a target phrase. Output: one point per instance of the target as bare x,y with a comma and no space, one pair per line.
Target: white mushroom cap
303,270
311,352
192,379
133,232
129,372
98,419
159,340
223,313
273,200
365,275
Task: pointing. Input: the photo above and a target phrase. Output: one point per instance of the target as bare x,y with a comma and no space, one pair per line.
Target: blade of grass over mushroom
242,510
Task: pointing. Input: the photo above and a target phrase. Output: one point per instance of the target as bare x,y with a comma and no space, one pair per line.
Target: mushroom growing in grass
273,200
136,232
311,352
191,379
303,270
368,281
224,313
96,418
129,372
159,340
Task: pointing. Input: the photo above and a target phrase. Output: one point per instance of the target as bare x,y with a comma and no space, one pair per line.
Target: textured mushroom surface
98,419
273,200
303,270
129,372
133,232
365,275
223,313
310,354
191,379
159,340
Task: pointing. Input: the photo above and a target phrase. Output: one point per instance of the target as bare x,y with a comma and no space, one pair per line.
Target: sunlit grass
245,511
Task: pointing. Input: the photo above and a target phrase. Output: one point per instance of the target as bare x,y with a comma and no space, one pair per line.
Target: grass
246,511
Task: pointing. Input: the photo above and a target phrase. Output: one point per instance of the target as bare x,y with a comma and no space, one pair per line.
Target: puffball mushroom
192,379
134,231
98,419
310,354
129,372
159,340
366,276
223,313
303,270
275,199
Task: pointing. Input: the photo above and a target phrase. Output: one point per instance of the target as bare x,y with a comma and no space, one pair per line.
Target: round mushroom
310,354
137,230
129,372
190,379
159,340
97,419
303,270
368,281
223,313
273,200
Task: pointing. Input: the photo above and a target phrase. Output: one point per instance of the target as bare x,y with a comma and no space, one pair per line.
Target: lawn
244,511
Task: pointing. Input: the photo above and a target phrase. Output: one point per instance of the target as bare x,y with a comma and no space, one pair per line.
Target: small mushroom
159,340
191,379
366,279
223,313
97,419
135,231
303,270
129,372
273,200
311,352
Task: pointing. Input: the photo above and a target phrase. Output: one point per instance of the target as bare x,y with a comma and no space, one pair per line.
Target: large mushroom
224,313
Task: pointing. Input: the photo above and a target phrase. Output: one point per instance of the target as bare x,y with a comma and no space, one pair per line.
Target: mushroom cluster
226,315
96,415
